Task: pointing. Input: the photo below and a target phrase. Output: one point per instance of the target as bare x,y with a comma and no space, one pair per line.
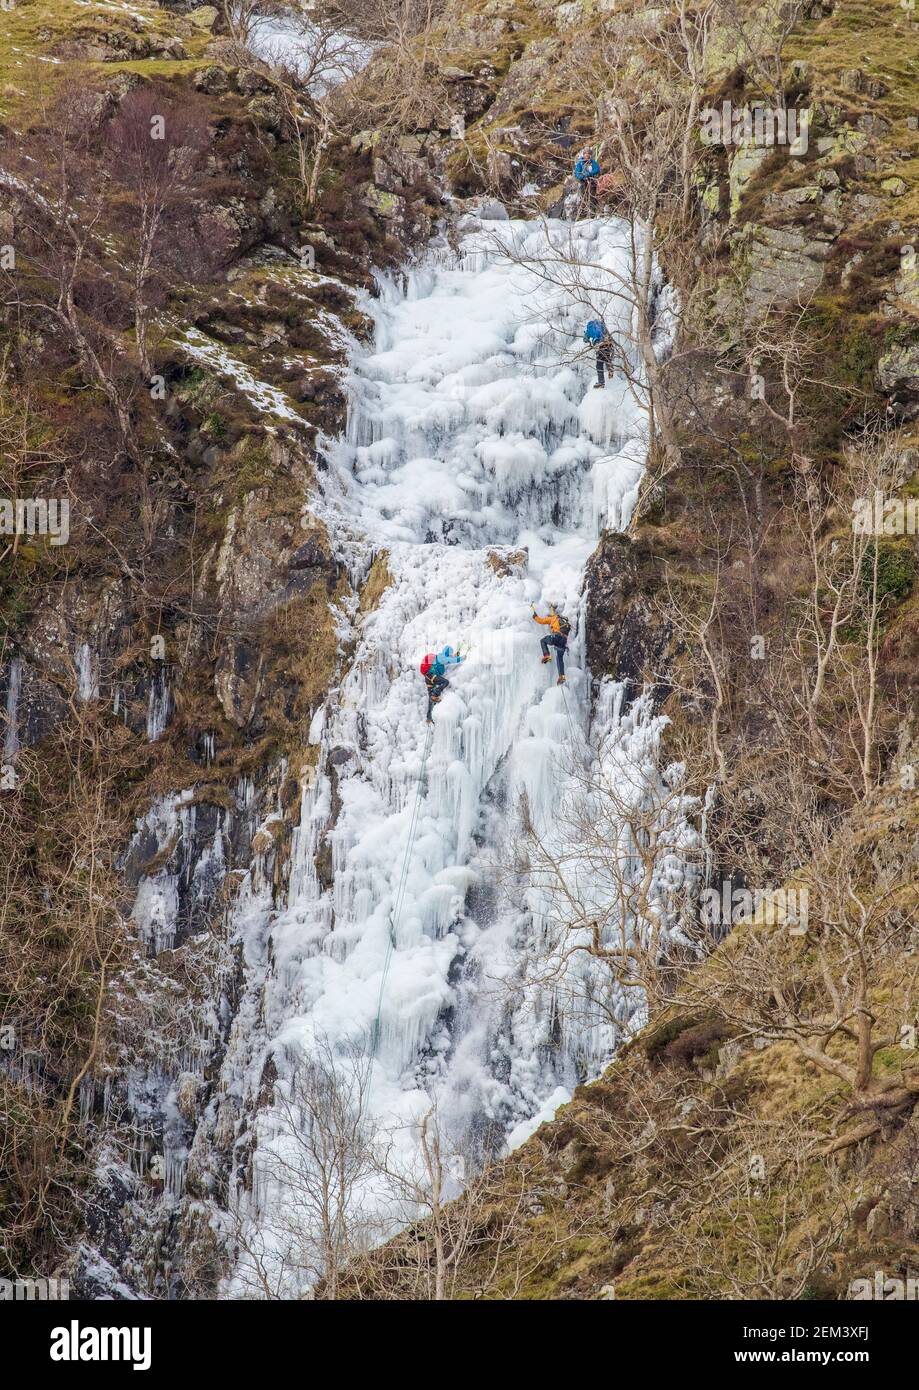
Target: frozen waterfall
478,457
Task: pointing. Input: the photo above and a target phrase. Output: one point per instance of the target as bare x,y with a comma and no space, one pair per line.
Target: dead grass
34,32
377,582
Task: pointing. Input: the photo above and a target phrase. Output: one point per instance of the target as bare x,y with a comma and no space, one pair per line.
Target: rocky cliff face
165,665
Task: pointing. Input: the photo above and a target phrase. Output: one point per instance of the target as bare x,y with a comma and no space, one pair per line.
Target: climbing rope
577,734
567,708
396,912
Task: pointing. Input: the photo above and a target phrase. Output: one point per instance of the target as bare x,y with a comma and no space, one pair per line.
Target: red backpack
427,663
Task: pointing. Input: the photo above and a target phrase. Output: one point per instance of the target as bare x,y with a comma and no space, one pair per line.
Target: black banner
153,1341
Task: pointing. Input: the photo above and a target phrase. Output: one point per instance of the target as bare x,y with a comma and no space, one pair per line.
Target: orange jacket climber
559,640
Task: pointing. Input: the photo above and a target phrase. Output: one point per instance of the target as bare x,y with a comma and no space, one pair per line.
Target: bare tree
649,141
61,942
27,451
781,356
420,1188
403,88
626,296
680,49
105,225
761,33
811,977
840,619
469,1233
721,1189
306,71
242,18
701,628
153,149
59,218
746,1231
313,1175
611,884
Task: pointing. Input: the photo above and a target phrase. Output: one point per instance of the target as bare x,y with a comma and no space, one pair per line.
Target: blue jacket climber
596,334
434,668
585,169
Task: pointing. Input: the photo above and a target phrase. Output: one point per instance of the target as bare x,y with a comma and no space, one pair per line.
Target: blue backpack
594,332
586,169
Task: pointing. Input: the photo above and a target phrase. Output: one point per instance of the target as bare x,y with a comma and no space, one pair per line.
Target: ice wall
481,459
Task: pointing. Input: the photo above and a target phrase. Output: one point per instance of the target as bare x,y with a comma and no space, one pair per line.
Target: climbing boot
598,385
562,680
545,659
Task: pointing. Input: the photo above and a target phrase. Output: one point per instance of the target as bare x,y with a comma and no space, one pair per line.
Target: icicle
159,704
176,1166
87,673
11,729
87,1099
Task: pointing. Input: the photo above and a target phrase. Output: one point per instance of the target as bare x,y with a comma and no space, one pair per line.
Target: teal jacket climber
586,169
444,658
597,336
434,669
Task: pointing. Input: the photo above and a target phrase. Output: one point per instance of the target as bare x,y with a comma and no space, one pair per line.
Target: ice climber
595,333
585,168
434,668
586,171
557,638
